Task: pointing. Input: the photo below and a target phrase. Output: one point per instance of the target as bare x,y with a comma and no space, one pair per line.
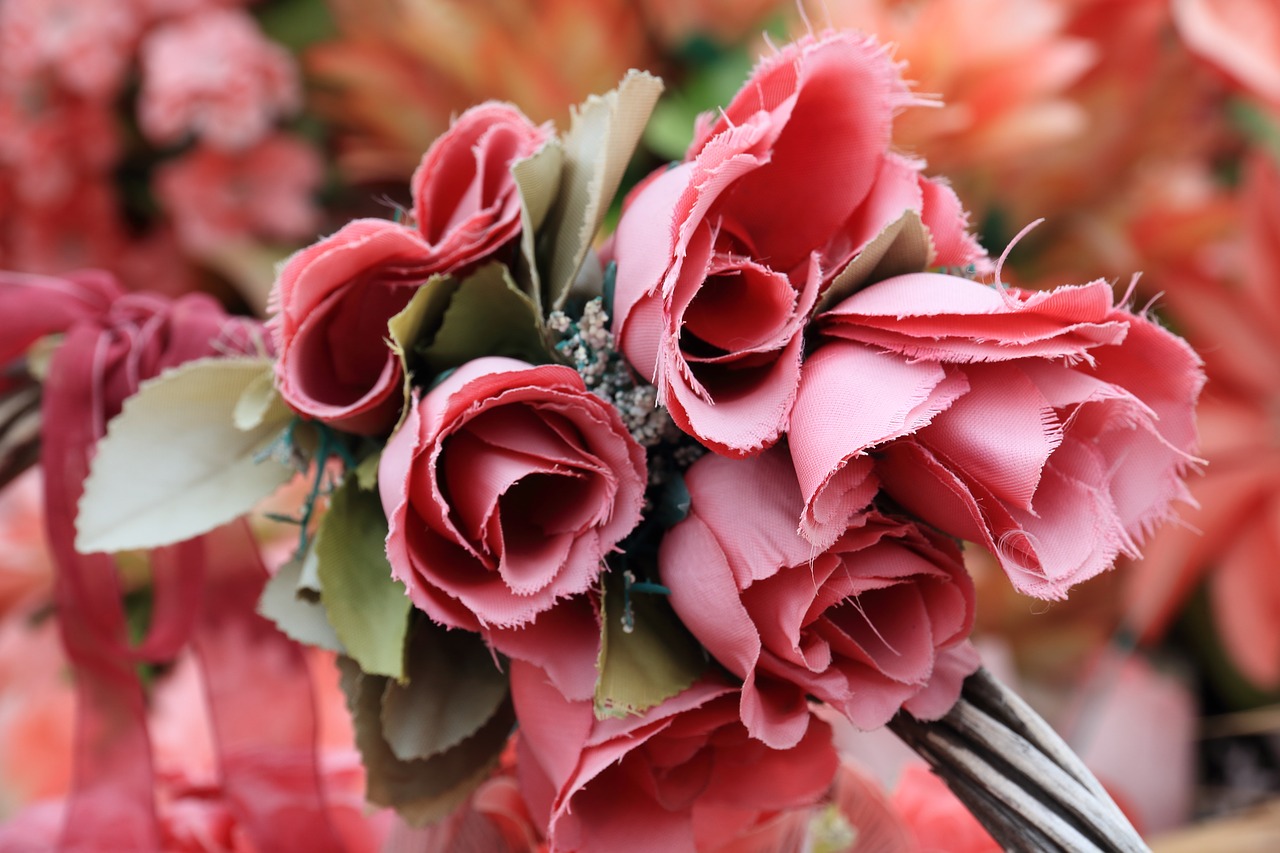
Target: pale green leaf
260,403
488,315
173,464
648,664
421,790
538,181
298,616
602,135
453,686
904,246
422,315
368,608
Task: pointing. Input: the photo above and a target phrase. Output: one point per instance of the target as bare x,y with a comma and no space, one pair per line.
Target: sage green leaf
904,246
367,471
369,609
538,181
488,315
602,135
173,464
453,686
420,317
298,616
421,790
647,664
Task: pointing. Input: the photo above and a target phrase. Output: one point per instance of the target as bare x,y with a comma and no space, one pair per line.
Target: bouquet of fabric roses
631,525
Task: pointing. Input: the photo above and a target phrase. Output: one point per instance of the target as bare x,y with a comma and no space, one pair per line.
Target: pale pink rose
465,199
1068,447
214,76
712,295
505,489
681,777
264,191
868,625
331,305
86,44
1241,37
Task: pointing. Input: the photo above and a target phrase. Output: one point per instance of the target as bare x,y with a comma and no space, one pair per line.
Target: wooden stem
1016,774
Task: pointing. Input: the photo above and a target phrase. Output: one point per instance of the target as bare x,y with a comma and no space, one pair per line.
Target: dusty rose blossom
712,295
877,621
214,76
331,304
465,200
1066,445
266,190
683,776
505,489
86,44
53,143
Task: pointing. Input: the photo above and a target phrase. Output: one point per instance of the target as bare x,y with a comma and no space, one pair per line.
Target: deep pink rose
877,620
332,302
1069,445
505,489
465,199
681,777
721,259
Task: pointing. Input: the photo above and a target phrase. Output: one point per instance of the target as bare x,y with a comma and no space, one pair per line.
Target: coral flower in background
1228,539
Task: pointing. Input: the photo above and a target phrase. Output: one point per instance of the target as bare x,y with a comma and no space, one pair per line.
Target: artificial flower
867,625
505,489
712,302
684,776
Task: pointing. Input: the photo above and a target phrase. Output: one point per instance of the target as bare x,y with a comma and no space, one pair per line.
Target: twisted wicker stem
1016,774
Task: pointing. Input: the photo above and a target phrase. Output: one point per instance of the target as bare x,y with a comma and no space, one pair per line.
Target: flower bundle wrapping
651,507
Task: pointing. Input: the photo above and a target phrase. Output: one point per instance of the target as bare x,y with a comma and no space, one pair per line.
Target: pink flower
712,294
332,302
53,143
465,199
87,44
217,197
877,620
936,817
683,776
1066,449
504,490
214,76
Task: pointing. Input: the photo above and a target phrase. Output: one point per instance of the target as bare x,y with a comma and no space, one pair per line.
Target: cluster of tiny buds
588,346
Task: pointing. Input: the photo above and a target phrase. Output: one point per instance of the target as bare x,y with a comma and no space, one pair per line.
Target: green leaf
602,136
174,465
298,616
367,471
421,790
368,608
538,181
648,664
904,246
423,313
453,687
488,315
260,403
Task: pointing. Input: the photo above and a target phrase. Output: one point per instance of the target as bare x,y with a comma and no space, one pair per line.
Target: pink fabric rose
721,259
1069,445
681,777
465,199
332,302
878,620
505,489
